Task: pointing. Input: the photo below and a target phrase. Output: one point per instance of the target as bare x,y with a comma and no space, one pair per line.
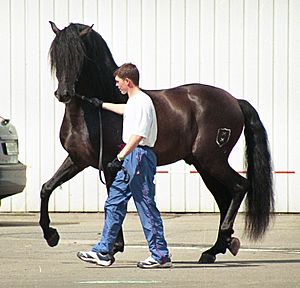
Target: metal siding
207,42
293,107
32,100
280,112
163,189
249,48
192,41
163,44
222,52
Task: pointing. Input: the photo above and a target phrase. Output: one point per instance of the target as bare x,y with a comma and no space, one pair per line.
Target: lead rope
100,166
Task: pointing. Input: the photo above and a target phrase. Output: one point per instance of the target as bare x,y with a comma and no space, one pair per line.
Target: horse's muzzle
63,97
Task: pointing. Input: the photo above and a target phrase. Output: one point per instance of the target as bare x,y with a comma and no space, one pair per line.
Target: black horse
197,123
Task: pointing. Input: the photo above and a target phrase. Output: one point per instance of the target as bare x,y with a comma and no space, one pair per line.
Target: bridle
100,166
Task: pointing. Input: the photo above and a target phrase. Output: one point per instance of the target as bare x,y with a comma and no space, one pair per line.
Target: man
136,165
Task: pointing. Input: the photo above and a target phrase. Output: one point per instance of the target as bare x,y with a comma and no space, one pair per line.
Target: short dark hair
130,71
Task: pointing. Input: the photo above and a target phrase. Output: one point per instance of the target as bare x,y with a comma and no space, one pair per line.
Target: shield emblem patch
223,136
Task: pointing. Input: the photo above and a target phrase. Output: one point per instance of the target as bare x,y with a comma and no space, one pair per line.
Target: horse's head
67,56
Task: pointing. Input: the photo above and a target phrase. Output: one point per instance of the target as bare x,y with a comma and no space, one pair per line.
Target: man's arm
130,146
116,108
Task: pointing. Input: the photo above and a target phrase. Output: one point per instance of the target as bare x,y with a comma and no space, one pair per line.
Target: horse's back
190,117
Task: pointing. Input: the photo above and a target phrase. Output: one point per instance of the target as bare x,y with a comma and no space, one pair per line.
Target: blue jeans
134,179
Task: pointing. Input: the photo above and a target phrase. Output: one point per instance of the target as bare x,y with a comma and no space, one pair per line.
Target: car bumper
12,179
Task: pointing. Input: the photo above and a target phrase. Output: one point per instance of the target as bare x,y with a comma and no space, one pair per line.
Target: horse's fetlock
44,224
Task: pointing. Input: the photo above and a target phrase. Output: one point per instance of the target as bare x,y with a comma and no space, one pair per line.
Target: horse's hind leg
223,199
238,188
229,189
65,172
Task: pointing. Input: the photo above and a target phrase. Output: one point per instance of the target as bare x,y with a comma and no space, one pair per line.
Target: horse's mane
88,54
66,51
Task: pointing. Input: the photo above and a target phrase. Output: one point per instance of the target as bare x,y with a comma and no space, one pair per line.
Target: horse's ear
86,31
54,27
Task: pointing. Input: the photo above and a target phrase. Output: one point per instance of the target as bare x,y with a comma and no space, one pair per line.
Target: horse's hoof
234,246
207,259
52,237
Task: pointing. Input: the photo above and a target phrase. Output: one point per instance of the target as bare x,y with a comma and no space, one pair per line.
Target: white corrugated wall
251,48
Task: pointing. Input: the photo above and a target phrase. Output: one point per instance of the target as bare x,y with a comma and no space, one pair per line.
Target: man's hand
115,165
96,102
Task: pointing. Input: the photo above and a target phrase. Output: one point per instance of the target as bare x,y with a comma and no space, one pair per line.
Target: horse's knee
45,192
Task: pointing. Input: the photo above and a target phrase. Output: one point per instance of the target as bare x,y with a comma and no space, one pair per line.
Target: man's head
127,76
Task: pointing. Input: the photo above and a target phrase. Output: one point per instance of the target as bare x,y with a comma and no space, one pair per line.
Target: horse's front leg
65,172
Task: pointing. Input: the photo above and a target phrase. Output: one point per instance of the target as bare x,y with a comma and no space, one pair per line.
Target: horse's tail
260,198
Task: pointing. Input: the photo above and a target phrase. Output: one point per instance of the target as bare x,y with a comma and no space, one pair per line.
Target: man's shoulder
141,93
145,97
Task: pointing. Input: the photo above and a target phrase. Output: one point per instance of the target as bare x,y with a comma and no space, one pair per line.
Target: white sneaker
152,263
96,258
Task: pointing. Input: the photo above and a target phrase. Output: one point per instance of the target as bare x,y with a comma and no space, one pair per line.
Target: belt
144,146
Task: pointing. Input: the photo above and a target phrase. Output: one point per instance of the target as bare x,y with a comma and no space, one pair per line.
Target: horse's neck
112,94
73,113
95,85
80,122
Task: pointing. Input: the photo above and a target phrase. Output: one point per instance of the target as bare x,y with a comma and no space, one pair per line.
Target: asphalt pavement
27,261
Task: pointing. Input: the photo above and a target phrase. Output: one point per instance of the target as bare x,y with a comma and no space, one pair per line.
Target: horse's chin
65,100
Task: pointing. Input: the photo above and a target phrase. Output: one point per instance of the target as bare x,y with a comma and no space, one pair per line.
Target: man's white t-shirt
140,119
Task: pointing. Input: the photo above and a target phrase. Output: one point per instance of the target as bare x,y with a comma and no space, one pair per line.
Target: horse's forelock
67,51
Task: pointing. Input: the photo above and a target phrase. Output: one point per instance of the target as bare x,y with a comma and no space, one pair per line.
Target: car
12,171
